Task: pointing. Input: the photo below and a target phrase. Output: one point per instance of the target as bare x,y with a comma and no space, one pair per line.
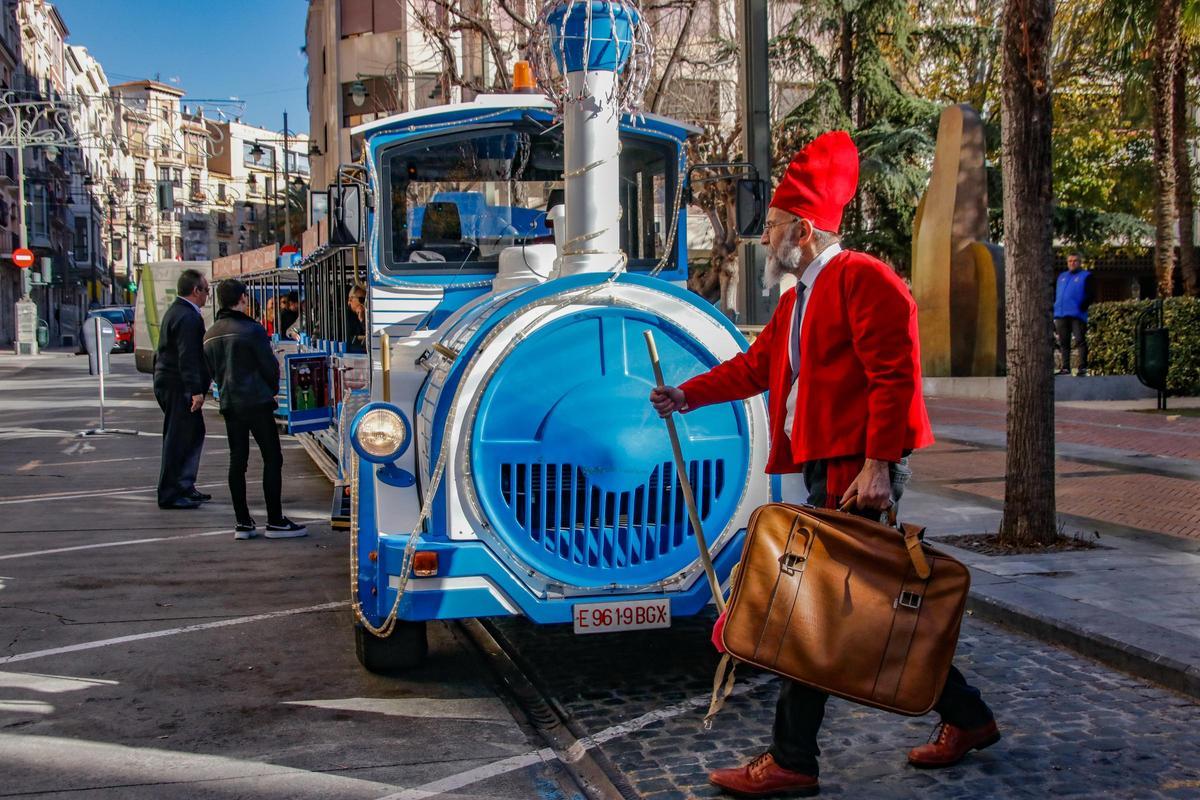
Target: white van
156,291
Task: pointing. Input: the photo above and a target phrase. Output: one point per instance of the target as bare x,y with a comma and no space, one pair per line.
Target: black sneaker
285,529
245,530
199,497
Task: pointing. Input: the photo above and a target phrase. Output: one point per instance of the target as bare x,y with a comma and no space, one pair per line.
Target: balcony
197,195
170,154
197,225
143,187
224,229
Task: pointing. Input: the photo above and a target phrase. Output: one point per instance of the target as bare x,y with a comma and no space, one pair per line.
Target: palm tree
1165,48
1029,513
1153,36
1189,267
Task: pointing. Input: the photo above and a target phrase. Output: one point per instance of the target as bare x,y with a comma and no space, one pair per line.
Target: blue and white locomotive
504,459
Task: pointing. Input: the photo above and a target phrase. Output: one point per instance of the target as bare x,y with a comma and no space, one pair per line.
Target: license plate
630,615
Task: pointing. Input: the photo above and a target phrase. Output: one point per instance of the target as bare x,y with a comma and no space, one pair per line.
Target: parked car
121,318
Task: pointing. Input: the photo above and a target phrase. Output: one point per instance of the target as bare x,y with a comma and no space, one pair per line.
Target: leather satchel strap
912,541
905,614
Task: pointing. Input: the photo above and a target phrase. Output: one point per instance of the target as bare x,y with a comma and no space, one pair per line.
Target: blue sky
212,49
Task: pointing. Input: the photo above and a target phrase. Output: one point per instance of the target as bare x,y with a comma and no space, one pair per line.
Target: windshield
114,315
455,202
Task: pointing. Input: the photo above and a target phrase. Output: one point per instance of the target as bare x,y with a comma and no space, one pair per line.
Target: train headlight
380,433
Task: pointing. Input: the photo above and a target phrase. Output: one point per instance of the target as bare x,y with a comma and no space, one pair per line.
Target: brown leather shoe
762,777
950,743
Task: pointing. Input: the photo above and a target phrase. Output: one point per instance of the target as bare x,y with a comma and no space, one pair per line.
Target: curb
1125,656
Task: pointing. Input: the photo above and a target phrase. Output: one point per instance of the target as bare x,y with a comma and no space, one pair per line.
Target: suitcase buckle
910,600
791,563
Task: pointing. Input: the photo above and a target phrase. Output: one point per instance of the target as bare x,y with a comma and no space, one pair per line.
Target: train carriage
500,456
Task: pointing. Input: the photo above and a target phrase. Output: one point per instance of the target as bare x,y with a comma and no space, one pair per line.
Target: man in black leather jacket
180,383
238,352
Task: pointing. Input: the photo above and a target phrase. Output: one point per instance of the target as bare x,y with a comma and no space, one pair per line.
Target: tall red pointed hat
820,181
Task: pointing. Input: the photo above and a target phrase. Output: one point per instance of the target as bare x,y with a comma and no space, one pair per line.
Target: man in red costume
840,363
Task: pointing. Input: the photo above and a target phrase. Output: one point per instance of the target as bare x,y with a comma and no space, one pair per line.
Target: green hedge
1110,340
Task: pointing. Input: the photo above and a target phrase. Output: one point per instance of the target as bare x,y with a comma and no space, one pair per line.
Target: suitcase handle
912,538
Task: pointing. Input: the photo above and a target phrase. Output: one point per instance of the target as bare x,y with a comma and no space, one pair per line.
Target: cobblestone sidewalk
1072,727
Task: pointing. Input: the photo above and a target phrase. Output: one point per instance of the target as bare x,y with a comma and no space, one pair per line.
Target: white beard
786,262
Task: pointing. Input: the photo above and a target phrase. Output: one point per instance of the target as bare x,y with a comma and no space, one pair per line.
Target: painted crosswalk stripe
203,626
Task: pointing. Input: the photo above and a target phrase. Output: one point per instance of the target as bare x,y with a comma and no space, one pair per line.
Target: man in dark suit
180,383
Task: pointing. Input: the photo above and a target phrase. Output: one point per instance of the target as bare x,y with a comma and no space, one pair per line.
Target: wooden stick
681,470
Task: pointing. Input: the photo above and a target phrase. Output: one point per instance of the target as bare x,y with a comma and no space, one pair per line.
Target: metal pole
753,35
128,255
100,368
287,218
20,179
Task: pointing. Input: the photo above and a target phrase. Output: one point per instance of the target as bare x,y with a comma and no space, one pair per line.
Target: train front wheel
405,648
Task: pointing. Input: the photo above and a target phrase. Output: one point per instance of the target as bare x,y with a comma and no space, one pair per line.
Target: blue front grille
568,516
573,469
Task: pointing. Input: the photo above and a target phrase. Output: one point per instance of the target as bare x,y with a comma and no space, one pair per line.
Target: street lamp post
112,265
30,123
128,249
257,151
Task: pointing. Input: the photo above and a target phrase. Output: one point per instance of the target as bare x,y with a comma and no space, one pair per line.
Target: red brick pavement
1177,437
1110,494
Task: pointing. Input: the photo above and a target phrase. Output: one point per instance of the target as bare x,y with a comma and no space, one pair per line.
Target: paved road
239,705
228,702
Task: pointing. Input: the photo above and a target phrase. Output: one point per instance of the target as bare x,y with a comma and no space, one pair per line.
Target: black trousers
801,708
239,427
1068,328
183,441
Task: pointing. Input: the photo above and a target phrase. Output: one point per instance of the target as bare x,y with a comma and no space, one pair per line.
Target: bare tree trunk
1165,52
669,70
1186,204
1029,514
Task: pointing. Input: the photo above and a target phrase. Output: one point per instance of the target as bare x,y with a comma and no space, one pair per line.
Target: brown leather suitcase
855,608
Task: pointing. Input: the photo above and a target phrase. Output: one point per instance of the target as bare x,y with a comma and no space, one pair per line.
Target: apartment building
367,59
262,195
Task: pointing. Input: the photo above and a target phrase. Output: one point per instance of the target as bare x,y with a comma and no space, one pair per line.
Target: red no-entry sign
23,257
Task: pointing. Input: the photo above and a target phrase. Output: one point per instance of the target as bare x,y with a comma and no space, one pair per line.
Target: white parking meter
99,337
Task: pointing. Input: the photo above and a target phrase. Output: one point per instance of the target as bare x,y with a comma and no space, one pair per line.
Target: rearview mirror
751,207
347,214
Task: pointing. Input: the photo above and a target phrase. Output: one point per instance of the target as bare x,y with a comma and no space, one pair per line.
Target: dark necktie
795,343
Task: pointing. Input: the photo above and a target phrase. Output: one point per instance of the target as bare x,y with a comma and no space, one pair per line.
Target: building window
118,249
139,174
222,249
298,163
164,174
165,247
179,245
81,240
255,155
39,225
221,192
177,178
196,187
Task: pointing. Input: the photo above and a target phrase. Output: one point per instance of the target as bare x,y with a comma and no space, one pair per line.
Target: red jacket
860,369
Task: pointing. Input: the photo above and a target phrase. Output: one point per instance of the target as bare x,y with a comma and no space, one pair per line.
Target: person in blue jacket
1072,296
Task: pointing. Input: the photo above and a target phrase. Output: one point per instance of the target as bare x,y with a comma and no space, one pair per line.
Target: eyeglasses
770,225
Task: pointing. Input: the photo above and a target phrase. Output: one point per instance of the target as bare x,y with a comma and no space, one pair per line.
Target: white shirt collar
193,305
809,276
